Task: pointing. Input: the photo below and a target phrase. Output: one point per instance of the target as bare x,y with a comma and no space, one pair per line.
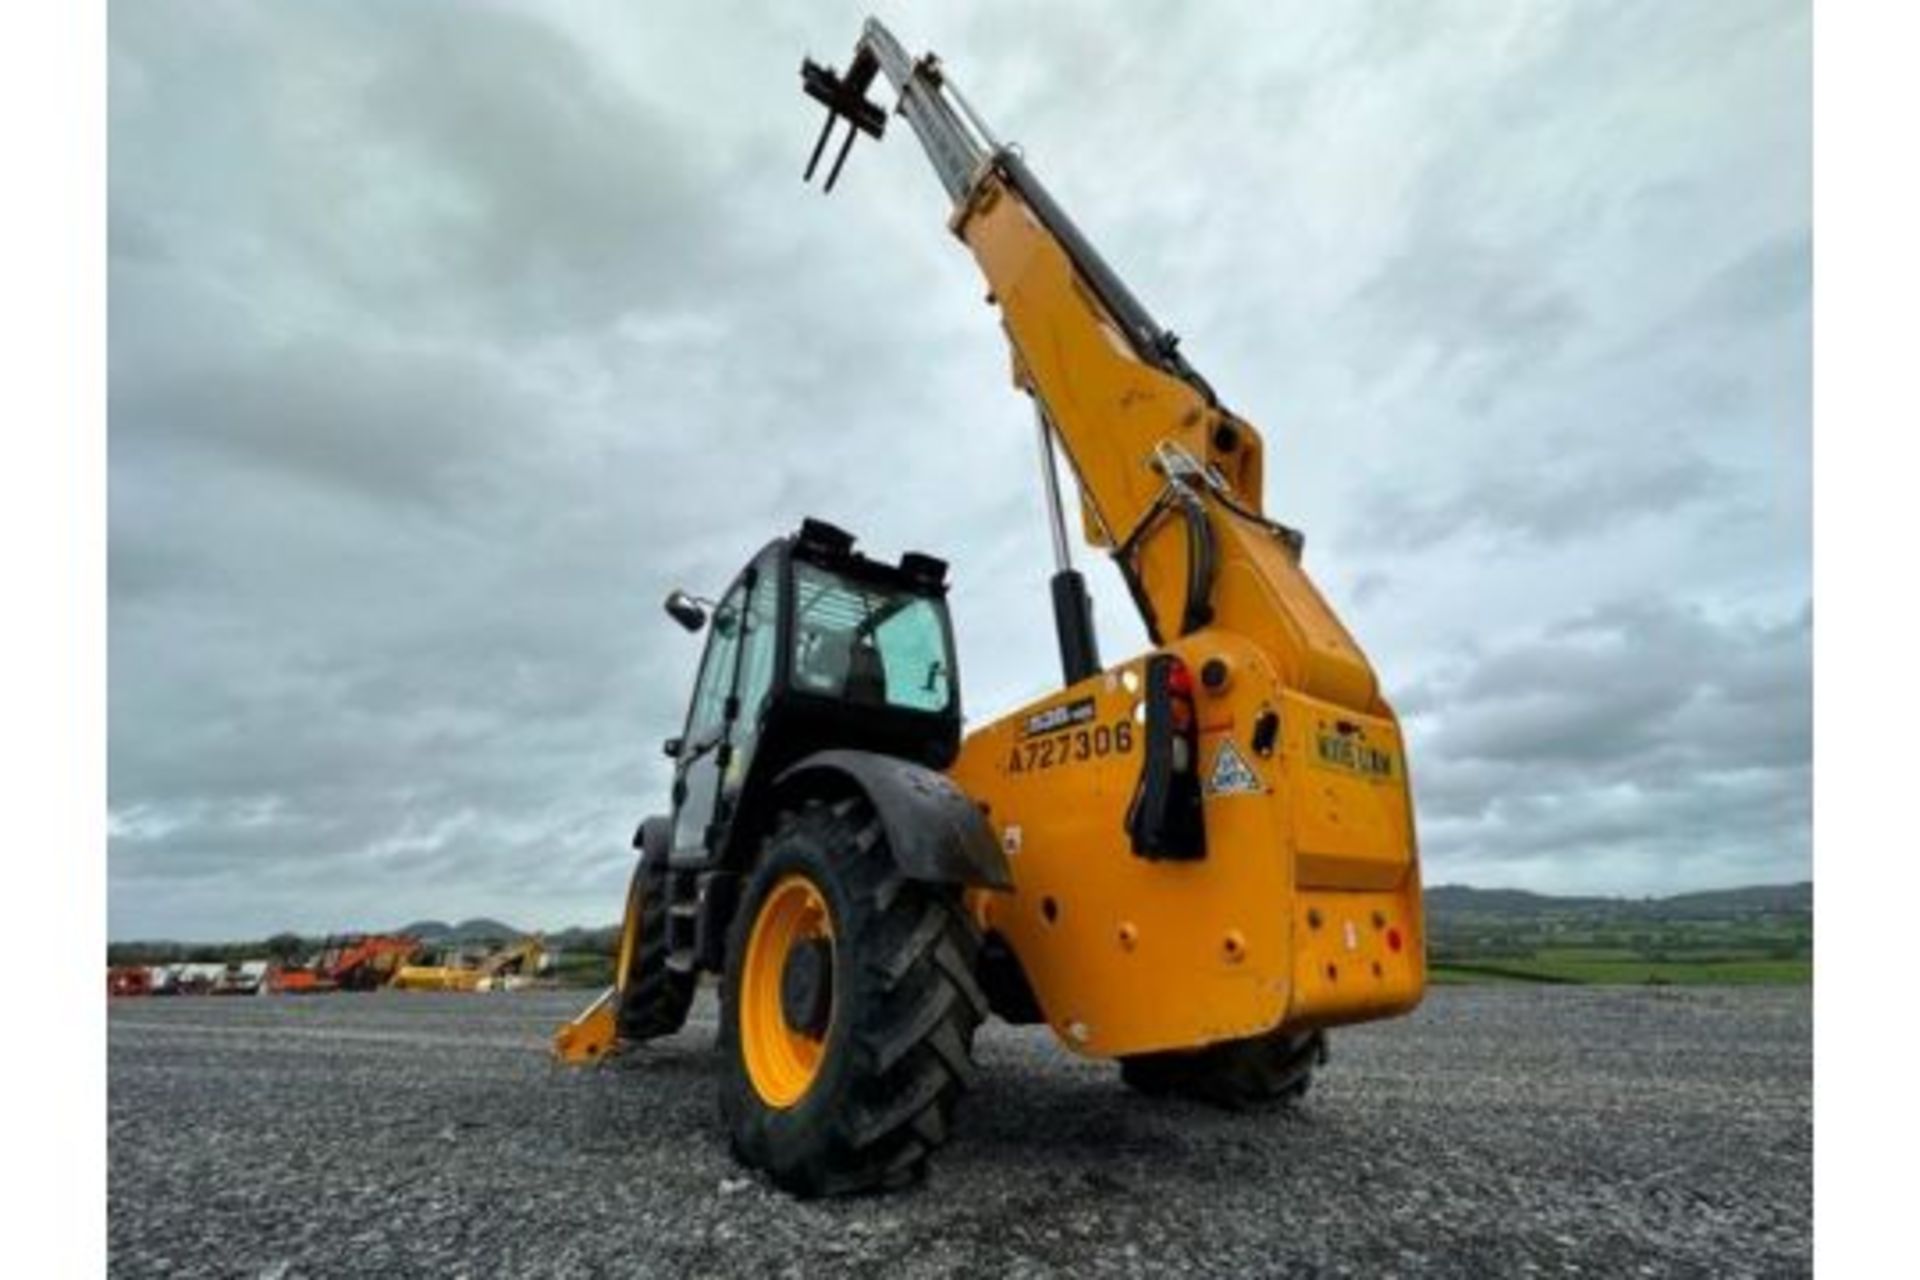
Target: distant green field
1620,943
584,969
1586,969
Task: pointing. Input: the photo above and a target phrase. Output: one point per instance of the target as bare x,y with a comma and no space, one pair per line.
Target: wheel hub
786,991
806,986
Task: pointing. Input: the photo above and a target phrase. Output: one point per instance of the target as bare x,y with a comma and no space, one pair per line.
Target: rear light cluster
1165,820
1186,726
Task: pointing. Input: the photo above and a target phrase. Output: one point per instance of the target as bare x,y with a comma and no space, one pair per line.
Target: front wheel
651,996
848,1009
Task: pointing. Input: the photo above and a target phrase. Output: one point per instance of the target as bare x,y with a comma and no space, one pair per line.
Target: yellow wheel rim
781,1060
629,935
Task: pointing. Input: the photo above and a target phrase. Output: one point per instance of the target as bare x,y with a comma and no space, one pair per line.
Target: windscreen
869,645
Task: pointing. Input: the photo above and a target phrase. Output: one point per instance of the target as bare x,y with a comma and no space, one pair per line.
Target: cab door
696,782
723,721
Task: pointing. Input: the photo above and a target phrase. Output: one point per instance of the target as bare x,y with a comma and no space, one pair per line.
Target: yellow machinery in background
1192,862
494,972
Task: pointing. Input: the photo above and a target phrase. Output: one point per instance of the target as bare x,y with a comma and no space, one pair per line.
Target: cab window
758,643
869,645
716,669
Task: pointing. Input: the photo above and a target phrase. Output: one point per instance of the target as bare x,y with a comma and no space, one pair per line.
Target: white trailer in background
242,978
195,978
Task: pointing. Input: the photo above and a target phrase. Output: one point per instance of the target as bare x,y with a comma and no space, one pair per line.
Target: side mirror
671,748
686,611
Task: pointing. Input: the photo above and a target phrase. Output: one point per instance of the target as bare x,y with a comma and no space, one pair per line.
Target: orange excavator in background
353,963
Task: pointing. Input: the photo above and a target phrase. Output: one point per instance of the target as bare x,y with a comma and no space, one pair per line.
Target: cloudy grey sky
444,339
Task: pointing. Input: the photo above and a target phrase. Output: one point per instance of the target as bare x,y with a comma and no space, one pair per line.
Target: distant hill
1756,934
1462,899
1460,902
480,929
1461,919
602,940
1763,897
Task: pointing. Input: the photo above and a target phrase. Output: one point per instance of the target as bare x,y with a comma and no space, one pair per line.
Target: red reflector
1393,939
1179,680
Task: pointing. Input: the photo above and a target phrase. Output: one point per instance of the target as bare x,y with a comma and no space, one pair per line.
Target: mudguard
935,832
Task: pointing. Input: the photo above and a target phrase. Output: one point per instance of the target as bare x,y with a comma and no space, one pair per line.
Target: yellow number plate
1351,754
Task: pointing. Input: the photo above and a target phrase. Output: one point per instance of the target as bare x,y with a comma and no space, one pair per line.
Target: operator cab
813,647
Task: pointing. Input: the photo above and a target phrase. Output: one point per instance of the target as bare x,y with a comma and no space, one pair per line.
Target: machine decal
1054,719
1071,746
1231,774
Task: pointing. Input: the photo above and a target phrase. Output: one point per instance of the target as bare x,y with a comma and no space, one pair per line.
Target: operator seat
866,675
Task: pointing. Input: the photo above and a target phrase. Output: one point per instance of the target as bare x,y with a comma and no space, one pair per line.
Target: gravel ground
1498,1131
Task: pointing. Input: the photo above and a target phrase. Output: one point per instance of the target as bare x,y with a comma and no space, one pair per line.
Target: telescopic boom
1155,452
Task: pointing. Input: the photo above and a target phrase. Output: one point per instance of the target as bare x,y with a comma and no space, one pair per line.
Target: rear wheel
848,1009
1237,1074
651,998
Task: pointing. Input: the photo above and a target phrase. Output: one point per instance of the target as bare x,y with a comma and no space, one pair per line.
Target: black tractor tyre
651,998
1237,1075
896,1051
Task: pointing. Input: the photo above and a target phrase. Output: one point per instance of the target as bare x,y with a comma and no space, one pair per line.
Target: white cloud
444,339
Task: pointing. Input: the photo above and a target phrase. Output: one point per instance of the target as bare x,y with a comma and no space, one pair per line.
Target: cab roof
830,547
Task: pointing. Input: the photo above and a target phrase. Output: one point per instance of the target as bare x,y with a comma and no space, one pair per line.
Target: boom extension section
962,151
1151,445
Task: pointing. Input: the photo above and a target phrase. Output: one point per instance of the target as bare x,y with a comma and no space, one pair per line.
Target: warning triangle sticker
1231,774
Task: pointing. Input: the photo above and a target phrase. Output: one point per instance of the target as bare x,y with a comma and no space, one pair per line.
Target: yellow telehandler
1193,862
500,970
